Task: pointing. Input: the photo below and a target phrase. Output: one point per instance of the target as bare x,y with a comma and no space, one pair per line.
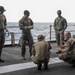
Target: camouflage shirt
3,23
23,23
69,43
60,23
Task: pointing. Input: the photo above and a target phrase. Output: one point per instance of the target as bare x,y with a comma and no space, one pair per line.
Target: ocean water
39,28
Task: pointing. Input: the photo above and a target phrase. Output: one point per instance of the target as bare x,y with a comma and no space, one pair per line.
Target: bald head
67,35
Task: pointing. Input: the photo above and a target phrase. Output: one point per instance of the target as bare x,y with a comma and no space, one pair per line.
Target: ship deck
14,65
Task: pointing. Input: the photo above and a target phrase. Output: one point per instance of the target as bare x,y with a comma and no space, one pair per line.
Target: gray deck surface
13,64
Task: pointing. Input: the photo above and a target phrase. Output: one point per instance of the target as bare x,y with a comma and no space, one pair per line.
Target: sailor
60,24
3,26
68,49
41,52
26,24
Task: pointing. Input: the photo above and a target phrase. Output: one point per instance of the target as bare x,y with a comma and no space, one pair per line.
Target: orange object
62,46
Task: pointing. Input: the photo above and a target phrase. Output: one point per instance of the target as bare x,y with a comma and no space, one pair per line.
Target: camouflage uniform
69,52
2,35
60,24
26,35
41,53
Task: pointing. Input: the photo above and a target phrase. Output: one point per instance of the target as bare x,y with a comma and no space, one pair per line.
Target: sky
40,10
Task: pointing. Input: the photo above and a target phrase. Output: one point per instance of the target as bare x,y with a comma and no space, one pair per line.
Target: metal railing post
50,32
12,39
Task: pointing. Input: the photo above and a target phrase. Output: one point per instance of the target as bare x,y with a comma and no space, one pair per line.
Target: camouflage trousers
2,40
60,38
67,57
26,39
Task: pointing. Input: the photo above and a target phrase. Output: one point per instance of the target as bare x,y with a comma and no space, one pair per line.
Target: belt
59,29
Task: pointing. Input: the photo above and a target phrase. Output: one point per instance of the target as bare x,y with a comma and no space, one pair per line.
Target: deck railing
50,33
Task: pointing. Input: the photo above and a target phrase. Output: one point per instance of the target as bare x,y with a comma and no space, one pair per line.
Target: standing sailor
26,24
60,24
3,26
